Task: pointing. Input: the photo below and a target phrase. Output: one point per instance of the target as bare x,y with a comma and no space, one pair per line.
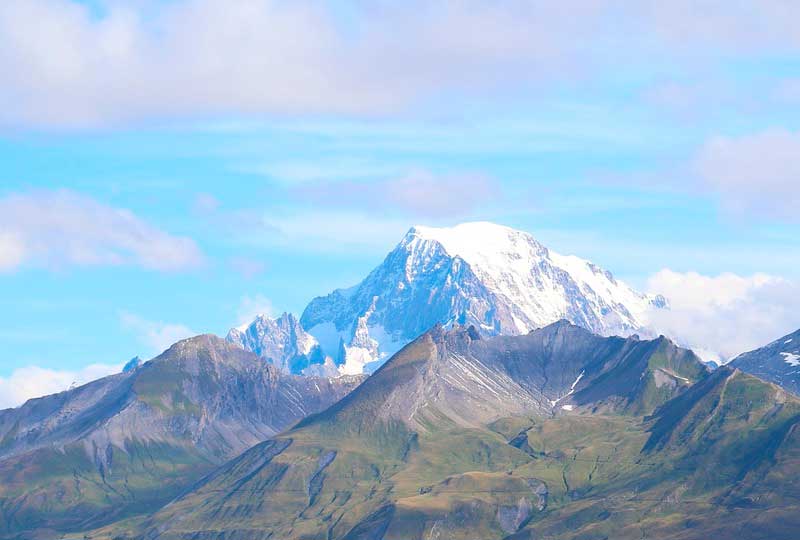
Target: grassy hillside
432,447
567,477
708,458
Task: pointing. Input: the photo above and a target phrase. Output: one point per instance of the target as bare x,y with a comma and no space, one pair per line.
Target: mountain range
497,403
557,434
498,279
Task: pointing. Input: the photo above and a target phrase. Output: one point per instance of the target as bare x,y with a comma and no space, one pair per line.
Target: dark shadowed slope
129,442
778,362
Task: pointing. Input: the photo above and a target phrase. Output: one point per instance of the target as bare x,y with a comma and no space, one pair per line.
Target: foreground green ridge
558,434
653,447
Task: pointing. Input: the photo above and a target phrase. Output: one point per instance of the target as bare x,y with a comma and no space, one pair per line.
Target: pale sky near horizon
173,167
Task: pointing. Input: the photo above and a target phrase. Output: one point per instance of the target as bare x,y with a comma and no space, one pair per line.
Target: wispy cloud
722,316
259,56
324,169
34,381
754,174
67,66
55,229
156,336
329,231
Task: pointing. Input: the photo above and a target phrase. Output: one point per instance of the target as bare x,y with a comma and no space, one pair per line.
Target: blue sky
174,167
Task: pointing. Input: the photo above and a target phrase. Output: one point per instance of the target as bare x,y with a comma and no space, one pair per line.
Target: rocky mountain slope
496,278
557,434
462,437
778,362
130,442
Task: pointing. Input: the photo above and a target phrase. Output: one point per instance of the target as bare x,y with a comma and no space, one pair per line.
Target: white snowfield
538,280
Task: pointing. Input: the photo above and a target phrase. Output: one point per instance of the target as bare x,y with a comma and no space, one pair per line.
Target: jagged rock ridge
281,341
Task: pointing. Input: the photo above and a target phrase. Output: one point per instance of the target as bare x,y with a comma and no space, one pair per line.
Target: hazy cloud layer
725,315
755,174
156,336
33,381
55,229
68,65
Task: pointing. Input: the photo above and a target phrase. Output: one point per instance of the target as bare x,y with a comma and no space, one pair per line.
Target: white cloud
60,228
757,173
744,27
67,66
727,314
155,335
34,381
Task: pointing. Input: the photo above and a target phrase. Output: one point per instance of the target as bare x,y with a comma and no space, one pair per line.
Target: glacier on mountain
499,279
496,278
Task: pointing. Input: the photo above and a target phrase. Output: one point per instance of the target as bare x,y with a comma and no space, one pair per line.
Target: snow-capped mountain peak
516,267
497,278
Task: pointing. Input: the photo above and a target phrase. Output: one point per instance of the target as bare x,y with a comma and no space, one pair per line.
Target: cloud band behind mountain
56,229
725,315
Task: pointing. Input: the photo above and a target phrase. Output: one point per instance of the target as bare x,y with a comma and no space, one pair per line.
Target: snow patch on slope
791,358
571,391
